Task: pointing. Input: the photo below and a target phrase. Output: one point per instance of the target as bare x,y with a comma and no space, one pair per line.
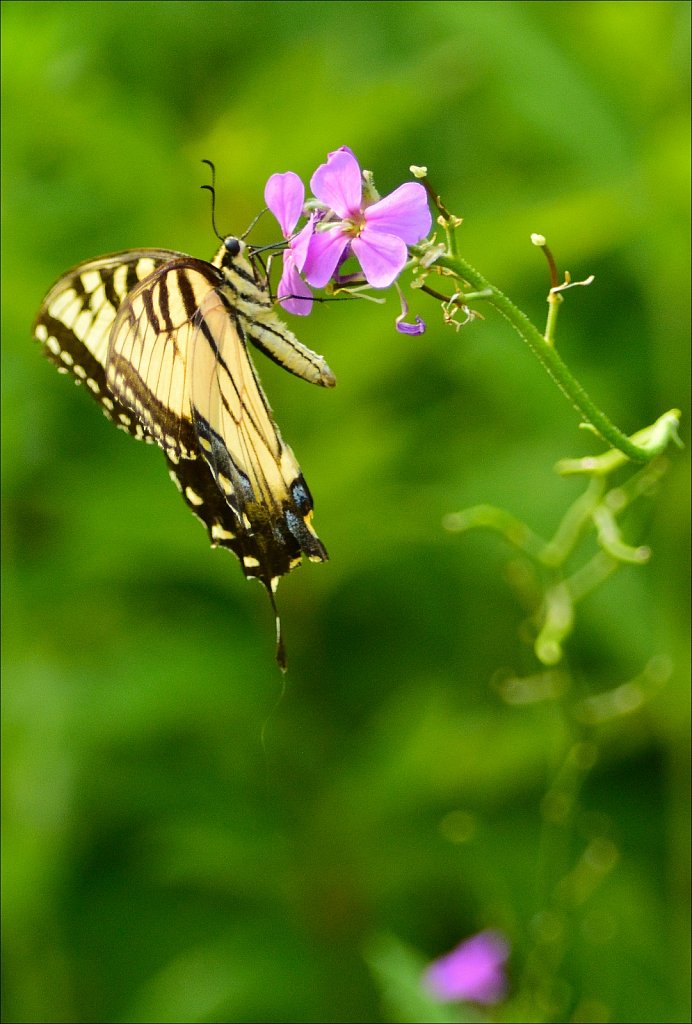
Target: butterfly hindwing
178,359
201,493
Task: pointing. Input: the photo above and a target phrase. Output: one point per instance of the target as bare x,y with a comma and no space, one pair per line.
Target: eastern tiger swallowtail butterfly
160,340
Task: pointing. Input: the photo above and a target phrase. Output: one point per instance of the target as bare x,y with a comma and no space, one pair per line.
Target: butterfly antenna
252,223
212,188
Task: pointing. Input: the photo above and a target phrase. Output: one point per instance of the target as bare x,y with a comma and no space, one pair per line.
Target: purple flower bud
418,328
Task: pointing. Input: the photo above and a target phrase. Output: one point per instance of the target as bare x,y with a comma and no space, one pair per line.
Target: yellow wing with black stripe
160,340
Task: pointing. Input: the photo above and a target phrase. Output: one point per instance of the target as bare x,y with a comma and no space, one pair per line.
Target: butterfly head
231,249
233,246
231,254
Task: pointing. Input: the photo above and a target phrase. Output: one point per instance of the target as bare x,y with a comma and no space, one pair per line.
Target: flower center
354,224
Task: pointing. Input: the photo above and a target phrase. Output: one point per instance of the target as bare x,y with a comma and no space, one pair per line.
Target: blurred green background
184,840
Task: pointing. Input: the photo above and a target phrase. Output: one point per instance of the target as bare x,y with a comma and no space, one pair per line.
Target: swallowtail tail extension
160,341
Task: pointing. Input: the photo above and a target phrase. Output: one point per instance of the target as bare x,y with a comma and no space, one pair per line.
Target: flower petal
343,149
381,256
338,183
323,255
284,194
301,242
404,212
297,297
473,971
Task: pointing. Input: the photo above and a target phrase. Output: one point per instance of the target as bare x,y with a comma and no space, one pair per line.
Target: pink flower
473,972
284,195
378,234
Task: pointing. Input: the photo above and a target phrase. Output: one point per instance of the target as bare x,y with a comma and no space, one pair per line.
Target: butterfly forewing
149,359
159,339
76,317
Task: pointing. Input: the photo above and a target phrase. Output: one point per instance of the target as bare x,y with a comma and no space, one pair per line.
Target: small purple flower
401,325
284,195
378,234
473,972
404,328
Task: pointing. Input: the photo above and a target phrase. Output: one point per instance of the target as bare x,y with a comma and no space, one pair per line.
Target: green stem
554,302
653,442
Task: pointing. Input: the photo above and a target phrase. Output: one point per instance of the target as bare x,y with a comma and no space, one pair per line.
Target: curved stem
652,443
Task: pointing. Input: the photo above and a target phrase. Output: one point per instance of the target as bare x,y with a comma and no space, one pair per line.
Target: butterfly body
160,339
